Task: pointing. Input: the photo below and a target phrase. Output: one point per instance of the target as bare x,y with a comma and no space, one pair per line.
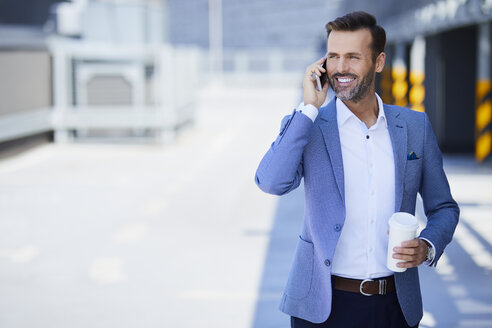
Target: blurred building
92,68
438,52
438,59
253,24
257,38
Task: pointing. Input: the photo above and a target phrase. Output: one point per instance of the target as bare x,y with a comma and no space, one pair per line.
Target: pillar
399,74
483,101
417,74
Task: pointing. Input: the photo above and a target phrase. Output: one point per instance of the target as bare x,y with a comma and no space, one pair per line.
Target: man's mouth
345,80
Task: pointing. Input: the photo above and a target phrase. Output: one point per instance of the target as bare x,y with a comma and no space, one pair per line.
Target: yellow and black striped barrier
400,85
483,117
417,91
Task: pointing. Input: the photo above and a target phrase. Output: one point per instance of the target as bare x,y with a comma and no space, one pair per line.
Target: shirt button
370,250
337,227
373,192
327,262
372,221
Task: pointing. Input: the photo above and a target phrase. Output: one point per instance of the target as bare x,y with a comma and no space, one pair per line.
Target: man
361,161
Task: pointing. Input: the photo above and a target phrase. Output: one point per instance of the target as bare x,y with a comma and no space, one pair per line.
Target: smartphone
321,80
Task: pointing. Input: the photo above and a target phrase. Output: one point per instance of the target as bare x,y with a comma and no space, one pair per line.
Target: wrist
311,102
309,110
429,252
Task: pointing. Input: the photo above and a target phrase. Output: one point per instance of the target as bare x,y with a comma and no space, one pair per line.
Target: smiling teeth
345,80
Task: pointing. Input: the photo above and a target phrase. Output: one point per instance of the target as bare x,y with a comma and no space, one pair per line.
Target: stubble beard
358,92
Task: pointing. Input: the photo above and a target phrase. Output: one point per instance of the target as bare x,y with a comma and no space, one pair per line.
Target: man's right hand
311,94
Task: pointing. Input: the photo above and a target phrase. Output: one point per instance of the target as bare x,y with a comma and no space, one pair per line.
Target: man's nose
342,66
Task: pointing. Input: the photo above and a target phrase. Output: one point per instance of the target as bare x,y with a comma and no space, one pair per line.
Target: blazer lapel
329,129
398,134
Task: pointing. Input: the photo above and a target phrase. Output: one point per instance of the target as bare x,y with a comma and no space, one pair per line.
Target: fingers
408,247
408,264
411,243
316,68
319,63
405,250
412,252
311,94
320,69
405,257
409,260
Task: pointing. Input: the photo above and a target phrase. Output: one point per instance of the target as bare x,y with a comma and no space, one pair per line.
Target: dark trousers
354,310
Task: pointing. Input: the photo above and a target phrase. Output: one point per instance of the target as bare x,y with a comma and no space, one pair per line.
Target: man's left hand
414,252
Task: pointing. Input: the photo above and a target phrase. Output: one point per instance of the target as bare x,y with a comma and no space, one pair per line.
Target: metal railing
161,99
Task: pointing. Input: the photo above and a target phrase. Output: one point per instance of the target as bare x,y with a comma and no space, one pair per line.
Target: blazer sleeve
441,209
281,169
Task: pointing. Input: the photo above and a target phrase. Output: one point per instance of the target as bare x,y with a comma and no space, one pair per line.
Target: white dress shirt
369,177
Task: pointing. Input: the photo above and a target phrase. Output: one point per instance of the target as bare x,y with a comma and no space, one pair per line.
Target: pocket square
412,156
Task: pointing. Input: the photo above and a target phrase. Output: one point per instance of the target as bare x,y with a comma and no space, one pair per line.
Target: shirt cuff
308,110
429,262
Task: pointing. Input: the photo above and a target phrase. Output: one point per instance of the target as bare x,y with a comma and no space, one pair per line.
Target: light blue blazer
312,151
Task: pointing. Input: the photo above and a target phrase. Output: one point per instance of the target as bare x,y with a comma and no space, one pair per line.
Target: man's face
349,64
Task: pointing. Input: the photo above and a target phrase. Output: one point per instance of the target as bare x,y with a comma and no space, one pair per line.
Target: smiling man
361,161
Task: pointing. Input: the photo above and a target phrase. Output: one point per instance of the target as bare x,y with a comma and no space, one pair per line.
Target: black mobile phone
324,77
321,80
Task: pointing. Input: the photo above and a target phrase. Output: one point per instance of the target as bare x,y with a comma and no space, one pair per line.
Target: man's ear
380,60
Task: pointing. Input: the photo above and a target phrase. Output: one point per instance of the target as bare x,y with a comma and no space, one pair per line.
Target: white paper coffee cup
402,227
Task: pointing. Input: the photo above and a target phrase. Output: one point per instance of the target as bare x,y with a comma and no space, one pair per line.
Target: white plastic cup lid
404,221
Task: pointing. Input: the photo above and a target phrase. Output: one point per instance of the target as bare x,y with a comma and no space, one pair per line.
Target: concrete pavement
101,235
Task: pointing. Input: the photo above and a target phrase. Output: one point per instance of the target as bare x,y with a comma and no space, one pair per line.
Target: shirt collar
344,113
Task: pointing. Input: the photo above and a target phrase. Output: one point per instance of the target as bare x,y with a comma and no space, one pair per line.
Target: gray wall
24,80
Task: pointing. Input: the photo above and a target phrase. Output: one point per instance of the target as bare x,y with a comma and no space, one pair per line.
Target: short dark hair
359,20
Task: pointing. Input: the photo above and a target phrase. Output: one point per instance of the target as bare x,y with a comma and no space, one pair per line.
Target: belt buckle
382,287
362,286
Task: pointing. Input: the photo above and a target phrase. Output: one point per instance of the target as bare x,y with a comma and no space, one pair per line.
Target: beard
357,92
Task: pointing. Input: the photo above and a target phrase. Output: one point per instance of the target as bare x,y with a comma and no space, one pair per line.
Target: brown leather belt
367,287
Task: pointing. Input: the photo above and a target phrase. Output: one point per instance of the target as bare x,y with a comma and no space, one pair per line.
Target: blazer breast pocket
413,174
